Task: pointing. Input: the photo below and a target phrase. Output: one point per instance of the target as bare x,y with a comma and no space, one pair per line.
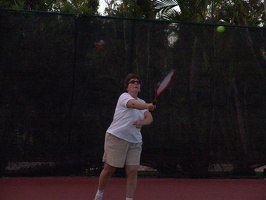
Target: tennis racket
162,85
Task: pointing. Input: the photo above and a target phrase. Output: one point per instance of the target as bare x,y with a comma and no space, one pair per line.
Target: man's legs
104,178
132,176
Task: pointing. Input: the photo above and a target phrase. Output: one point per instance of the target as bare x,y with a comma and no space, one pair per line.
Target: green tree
236,12
141,9
89,7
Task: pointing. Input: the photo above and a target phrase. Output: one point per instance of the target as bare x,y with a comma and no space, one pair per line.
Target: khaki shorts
118,152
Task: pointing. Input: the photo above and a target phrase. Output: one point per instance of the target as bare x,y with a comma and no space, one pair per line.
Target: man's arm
140,105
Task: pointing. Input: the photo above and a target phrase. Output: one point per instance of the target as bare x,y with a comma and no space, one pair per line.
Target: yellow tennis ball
138,126
220,29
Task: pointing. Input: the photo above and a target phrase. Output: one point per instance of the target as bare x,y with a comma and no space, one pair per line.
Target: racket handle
154,104
154,101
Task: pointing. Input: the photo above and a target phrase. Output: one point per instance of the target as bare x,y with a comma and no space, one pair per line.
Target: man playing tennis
123,139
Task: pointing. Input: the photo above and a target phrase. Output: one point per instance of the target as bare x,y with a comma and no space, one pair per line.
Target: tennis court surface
84,188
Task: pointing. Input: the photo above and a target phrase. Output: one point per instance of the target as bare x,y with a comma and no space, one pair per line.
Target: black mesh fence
61,76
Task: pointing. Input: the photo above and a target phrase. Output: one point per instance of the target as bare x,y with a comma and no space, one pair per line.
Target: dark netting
61,76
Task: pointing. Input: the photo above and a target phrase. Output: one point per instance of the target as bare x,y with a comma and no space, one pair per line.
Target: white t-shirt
122,124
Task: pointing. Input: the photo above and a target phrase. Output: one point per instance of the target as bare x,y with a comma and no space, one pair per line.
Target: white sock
129,198
99,193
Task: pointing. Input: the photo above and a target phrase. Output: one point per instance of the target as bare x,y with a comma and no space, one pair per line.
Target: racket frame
163,84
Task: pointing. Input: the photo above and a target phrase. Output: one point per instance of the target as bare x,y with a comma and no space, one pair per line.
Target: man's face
133,85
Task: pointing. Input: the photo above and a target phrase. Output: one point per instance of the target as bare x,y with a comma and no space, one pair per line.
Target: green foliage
231,12
237,12
88,7
141,9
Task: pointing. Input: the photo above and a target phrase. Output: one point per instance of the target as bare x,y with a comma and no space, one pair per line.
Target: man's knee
108,169
131,170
